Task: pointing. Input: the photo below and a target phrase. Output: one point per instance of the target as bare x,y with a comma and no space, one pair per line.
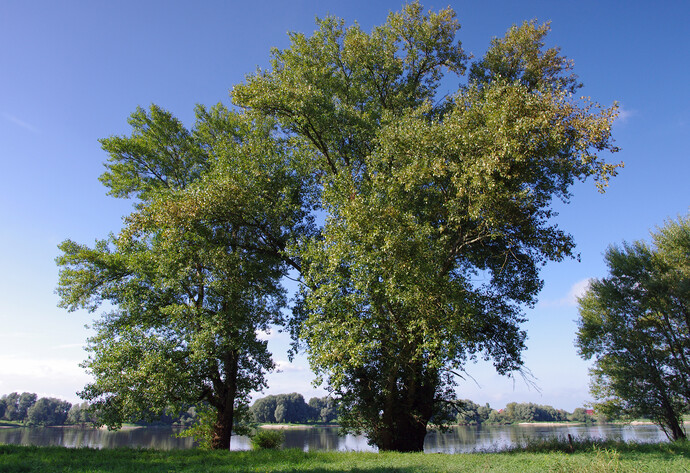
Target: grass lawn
607,457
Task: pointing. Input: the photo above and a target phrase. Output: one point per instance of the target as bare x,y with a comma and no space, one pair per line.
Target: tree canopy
190,283
437,216
438,209
635,324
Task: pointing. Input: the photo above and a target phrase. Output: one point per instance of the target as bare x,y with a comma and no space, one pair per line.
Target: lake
459,439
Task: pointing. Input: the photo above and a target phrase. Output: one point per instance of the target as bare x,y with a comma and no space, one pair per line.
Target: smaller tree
194,274
635,324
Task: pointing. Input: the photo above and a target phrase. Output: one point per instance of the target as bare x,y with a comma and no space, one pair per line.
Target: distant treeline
27,408
281,409
469,413
291,408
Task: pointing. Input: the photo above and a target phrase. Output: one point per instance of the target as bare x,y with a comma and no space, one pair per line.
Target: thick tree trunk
225,418
222,432
407,435
407,413
671,422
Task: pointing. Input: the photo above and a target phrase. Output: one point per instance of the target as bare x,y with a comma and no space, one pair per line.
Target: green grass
544,457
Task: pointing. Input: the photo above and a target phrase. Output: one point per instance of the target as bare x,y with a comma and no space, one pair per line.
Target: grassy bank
609,457
9,425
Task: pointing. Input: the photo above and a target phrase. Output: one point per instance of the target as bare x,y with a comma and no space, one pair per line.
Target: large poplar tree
438,208
195,272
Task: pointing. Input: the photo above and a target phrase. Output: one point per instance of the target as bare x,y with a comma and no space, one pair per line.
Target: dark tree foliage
635,324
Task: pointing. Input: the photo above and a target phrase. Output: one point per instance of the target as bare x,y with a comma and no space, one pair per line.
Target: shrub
267,439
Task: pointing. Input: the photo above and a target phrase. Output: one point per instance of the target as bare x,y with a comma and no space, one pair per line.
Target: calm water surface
459,439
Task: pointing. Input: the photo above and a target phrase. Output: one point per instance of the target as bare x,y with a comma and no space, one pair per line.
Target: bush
267,439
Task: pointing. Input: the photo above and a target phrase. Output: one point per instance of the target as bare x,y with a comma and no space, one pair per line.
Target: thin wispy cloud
624,115
69,345
576,291
39,368
283,366
19,122
270,334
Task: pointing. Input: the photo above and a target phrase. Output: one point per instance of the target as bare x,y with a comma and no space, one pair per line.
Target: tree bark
671,421
407,413
225,418
222,432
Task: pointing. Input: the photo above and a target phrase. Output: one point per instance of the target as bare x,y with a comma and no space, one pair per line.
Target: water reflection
159,438
457,440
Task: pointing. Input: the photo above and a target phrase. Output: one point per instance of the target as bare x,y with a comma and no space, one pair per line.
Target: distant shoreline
294,426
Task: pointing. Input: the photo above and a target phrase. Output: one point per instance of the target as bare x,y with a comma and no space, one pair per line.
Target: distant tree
484,412
3,406
10,405
468,413
80,414
498,417
17,405
291,408
323,409
298,409
187,418
281,412
48,411
26,400
635,324
580,415
263,409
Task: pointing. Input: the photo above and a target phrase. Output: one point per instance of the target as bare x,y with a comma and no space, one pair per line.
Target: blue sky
72,72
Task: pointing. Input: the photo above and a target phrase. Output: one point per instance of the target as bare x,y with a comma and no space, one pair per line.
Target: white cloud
60,378
284,366
19,122
39,368
576,291
70,345
269,334
624,115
